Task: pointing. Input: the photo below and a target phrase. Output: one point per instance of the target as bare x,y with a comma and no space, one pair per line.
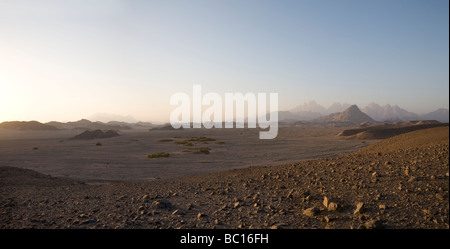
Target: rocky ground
401,182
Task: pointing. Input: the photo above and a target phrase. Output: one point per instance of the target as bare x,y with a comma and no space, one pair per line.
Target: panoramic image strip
221,117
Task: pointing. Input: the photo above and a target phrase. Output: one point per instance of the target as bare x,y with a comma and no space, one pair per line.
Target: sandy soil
401,182
124,158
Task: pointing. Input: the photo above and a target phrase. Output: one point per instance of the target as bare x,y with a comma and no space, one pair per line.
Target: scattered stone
290,194
277,226
362,217
177,212
262,204
359,208
162,204
407,172
333,206
427,212
329,219
325,201
440,197
311,212
412,178
88,222
373,224
83,216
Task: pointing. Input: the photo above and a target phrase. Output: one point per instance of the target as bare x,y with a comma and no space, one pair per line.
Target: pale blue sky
66,60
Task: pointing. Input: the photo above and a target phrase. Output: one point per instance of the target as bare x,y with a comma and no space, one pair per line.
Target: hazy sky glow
66,60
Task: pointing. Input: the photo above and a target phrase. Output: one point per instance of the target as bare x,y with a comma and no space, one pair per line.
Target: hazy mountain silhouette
288,116
389,113
27,125
85,124
440,114
311,106
82,124
107,117
337,107
311,109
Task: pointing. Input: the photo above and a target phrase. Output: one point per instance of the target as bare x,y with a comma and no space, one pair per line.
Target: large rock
359,208
311,212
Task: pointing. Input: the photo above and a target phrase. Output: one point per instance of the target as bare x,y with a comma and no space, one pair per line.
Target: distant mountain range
25,125
85,124
342,114
440,114
82,124
311,111
106,117
389,113
317,109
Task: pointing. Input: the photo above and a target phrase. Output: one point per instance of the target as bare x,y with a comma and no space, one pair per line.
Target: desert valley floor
124,158
306,178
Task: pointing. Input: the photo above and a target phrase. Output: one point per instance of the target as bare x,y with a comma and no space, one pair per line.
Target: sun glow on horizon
67,60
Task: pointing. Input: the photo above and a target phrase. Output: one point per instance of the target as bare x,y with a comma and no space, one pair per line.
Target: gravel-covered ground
401,182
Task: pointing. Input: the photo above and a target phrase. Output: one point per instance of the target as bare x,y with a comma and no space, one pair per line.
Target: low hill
87,135
386,130
85,124
27,125
12,176
165,127
415,139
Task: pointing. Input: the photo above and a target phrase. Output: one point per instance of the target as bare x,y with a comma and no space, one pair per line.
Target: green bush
165,140
201,150
201,139
157,155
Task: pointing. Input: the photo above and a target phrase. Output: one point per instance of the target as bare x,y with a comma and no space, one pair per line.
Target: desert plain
308,177
124,158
